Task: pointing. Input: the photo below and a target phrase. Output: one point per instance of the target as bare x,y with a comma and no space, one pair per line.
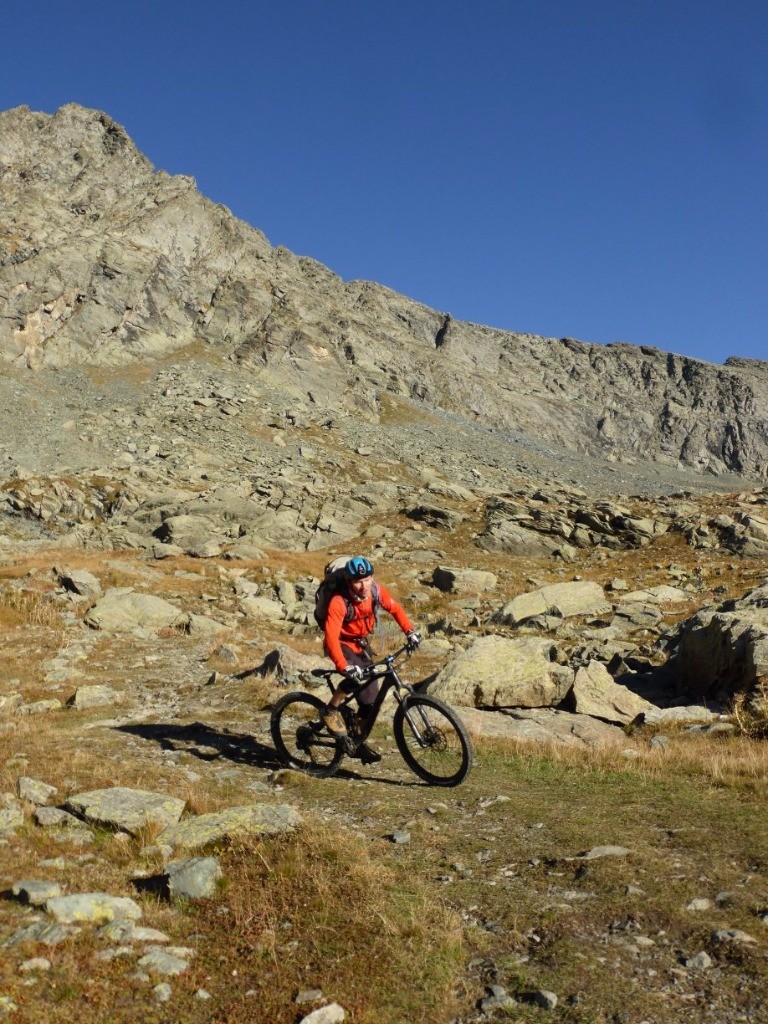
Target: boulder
581,597
262,608
463,581
129,810
511,538
499,672
595,693
289,666
91,908
79,581
94,696
542,725
36,893
123,610
254,819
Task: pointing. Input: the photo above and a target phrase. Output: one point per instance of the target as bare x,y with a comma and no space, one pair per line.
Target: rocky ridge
104,260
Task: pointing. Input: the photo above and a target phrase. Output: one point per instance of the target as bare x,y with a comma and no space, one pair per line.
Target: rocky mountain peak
104,262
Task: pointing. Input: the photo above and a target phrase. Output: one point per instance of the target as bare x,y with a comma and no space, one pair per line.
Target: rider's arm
389,604
334,620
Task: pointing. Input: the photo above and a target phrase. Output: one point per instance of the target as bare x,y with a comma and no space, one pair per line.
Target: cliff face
104,260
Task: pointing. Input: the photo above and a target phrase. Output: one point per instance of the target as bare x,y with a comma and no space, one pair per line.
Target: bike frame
384,669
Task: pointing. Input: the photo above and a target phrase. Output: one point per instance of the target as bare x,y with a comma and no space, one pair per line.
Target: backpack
335,582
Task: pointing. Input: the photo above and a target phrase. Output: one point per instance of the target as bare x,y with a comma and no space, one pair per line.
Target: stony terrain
191,424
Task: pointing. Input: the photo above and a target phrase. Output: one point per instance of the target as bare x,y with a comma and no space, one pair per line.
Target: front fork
417,720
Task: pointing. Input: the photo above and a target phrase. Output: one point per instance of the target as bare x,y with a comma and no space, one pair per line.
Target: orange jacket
361,625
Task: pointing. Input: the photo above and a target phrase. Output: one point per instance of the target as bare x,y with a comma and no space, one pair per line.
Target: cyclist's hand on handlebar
413,638
353,673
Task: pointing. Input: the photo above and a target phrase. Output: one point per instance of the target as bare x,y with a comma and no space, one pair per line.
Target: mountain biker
346,644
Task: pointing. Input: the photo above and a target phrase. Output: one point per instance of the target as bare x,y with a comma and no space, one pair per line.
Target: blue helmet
358,568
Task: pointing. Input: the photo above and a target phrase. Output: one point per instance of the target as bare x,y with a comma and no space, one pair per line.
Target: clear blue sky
565,167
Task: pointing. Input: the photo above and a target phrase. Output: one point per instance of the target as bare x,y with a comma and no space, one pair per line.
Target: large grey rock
262,608
725,651
253,819
581,597
596,693
94,696
542,726
92,908
455,580
288,665
129,810
36,893
121,610
499,672
80,582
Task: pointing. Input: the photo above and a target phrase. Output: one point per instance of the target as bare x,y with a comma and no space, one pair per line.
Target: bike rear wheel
433,740
301,740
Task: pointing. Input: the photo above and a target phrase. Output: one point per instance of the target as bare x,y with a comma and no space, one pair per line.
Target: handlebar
369,672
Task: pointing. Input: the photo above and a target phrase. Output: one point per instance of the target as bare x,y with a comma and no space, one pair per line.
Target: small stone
733,935
11,818
603,851
203,994
497,999
699,904
400,837
7,1005
194,877
162,992
50,816
35,791
41,931
37,964
309,995
157,961
108,955
700,962
543,997
330,1014
659,742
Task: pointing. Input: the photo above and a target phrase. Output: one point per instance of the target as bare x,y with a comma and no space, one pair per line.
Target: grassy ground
488,891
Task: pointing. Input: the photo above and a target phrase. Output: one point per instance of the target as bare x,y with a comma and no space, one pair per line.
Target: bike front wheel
433,740
301,739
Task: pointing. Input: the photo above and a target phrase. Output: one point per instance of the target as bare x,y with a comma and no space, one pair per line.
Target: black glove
353,673
413,638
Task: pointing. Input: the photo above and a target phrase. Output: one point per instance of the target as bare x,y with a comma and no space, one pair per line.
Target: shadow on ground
208,744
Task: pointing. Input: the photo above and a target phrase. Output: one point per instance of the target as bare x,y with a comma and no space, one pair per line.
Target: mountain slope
104,260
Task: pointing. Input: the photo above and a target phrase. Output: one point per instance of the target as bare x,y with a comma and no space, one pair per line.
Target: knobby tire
446,757
300,740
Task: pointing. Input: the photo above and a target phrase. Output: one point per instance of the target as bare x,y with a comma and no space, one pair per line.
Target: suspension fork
411,714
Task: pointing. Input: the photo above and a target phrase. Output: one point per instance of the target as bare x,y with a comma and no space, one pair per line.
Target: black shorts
369,694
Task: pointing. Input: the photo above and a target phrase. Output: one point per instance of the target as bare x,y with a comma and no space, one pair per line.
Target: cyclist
349,623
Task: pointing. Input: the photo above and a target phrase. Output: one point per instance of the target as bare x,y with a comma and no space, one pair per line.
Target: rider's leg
332,718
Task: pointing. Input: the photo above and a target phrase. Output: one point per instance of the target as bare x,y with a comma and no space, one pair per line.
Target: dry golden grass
729,760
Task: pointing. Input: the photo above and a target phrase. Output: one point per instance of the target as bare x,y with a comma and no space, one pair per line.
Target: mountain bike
430,736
